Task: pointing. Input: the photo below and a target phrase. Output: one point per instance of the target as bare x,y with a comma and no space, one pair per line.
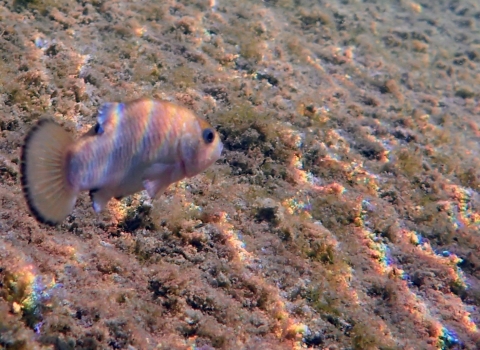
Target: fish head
201,147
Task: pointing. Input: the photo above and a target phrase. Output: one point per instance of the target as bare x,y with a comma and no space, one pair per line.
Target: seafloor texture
344,214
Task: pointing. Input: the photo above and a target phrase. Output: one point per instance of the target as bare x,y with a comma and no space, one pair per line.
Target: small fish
142,144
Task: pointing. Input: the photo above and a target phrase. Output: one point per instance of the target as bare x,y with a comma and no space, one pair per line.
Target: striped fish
142,144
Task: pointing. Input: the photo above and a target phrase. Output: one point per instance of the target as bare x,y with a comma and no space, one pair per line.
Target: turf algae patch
344,213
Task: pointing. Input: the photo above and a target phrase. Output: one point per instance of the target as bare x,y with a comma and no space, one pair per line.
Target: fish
143,144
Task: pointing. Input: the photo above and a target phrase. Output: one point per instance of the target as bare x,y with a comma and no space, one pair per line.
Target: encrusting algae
345,213
142,144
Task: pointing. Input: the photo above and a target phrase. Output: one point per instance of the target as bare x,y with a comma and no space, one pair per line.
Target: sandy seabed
344,213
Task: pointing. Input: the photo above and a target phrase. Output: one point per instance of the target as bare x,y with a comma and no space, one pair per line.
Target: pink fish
142,144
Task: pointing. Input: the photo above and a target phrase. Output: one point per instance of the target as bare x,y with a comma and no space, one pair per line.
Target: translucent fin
106,115
158,177
154,187
100,198
44,172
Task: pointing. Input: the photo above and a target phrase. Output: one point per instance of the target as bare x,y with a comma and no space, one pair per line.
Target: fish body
142,144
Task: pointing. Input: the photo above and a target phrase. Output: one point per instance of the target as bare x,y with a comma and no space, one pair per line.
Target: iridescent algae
412,301
381,252
308,180
288,327
28,294
462,213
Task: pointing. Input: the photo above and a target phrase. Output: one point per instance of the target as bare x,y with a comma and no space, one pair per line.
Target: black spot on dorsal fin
98,129
106,113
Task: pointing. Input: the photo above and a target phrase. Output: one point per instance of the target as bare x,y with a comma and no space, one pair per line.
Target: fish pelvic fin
154,187
44,172
100,198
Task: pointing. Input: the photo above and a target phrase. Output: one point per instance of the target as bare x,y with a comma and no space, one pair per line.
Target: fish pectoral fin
158,177
100,198
154,187
159,171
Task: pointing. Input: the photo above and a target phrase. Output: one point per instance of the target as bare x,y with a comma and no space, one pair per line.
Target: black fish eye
208,135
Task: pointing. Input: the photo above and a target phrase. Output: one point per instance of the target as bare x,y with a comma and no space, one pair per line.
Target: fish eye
208,135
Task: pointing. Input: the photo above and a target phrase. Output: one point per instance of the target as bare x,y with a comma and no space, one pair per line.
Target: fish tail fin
44,172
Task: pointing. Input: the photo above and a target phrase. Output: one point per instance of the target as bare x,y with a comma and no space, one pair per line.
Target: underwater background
344,213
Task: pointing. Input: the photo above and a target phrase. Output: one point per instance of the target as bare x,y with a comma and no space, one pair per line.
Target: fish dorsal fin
108,115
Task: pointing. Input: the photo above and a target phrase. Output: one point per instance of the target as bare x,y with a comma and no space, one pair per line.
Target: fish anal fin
100,198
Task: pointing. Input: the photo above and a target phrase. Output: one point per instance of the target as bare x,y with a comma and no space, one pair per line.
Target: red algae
344,213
